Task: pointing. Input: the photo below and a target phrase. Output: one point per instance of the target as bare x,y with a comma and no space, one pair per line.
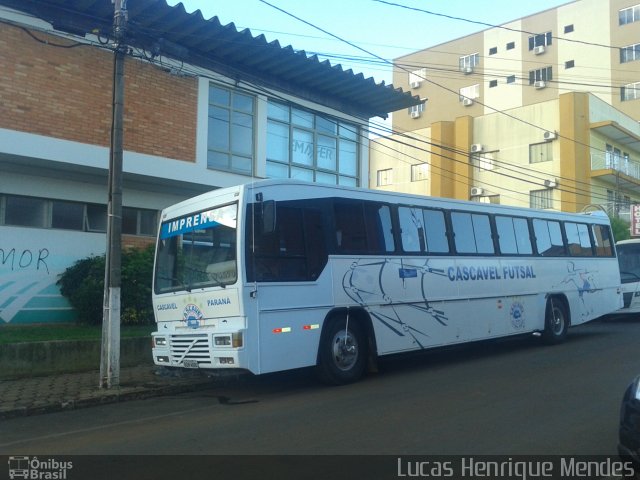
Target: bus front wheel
556,321
343,352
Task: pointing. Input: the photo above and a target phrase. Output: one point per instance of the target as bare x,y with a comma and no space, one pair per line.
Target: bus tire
342,358
556,321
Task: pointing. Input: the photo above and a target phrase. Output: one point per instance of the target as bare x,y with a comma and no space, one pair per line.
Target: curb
99,397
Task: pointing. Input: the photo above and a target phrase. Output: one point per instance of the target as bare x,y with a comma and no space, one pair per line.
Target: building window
417,77
540,40
493,50
469,61
65,215
631,91
629,15
541,74
511,45
230,141
482,162
511,79
137,221
568,28
630,53
26,211
541,199
541,152
416,110
471,92
385,177
419,172
310,147
493,83
569,64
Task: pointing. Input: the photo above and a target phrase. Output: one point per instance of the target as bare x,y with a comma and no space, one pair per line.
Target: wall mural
30,262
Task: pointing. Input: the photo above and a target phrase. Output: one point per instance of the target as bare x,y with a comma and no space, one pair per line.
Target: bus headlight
222,340
160,341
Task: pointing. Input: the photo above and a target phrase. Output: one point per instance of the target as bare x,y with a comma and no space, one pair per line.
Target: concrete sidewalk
35,395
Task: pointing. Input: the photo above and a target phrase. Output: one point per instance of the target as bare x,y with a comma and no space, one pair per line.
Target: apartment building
206,106
542,111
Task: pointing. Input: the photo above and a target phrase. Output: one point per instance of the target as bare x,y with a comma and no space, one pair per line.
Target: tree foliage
620,229
83,285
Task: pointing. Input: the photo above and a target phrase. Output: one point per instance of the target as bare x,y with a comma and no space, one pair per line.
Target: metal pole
110,354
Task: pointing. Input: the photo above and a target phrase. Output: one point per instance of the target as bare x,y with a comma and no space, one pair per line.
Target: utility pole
110,354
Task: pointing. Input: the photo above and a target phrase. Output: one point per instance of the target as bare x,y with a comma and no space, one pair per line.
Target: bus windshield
629,262
197,251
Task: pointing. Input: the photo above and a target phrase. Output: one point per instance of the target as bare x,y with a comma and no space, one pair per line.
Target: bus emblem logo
192,315
517,315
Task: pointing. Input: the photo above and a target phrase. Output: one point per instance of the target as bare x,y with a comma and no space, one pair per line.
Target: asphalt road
500,398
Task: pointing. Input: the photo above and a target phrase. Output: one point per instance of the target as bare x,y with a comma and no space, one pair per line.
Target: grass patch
43,333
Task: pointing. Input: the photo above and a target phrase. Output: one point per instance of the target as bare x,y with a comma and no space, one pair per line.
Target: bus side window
602,239
411,229
578,239
549,238
436,231
350,227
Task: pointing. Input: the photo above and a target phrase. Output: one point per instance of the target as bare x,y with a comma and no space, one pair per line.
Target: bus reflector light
282,330
311,327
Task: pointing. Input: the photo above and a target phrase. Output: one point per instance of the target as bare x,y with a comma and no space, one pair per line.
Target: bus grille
627,299
191,347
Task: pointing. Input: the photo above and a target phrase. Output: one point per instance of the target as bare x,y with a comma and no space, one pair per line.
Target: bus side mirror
268,216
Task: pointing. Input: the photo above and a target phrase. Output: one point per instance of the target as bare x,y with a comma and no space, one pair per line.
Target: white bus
277,275
629,262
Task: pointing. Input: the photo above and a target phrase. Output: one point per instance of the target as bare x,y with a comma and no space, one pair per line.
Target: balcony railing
601,161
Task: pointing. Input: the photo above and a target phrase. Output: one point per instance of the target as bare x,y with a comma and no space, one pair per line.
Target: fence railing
600,161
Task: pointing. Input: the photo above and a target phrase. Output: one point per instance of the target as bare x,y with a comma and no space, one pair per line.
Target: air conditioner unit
414,84
538,50
476,191
467,101
415,114
540,84
466,70
550,183
477,147
549,135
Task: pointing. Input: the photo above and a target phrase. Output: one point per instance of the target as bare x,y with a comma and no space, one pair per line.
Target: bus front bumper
200,350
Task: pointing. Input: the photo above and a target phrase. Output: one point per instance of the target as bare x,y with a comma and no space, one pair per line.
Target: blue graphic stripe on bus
183,225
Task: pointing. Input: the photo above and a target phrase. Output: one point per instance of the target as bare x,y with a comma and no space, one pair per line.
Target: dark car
629,433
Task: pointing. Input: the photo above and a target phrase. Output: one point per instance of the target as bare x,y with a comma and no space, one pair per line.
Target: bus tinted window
472,232
379,227
513,236
411,229
363,227
436,231
578,239
423,230
294,251
548,238
602,239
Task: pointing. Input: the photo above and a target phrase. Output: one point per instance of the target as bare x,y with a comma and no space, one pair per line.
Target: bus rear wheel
343,352
556,322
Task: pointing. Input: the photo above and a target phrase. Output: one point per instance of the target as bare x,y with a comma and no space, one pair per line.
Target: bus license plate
190,363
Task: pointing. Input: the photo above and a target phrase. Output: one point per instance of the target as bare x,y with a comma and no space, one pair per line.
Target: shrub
83,285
